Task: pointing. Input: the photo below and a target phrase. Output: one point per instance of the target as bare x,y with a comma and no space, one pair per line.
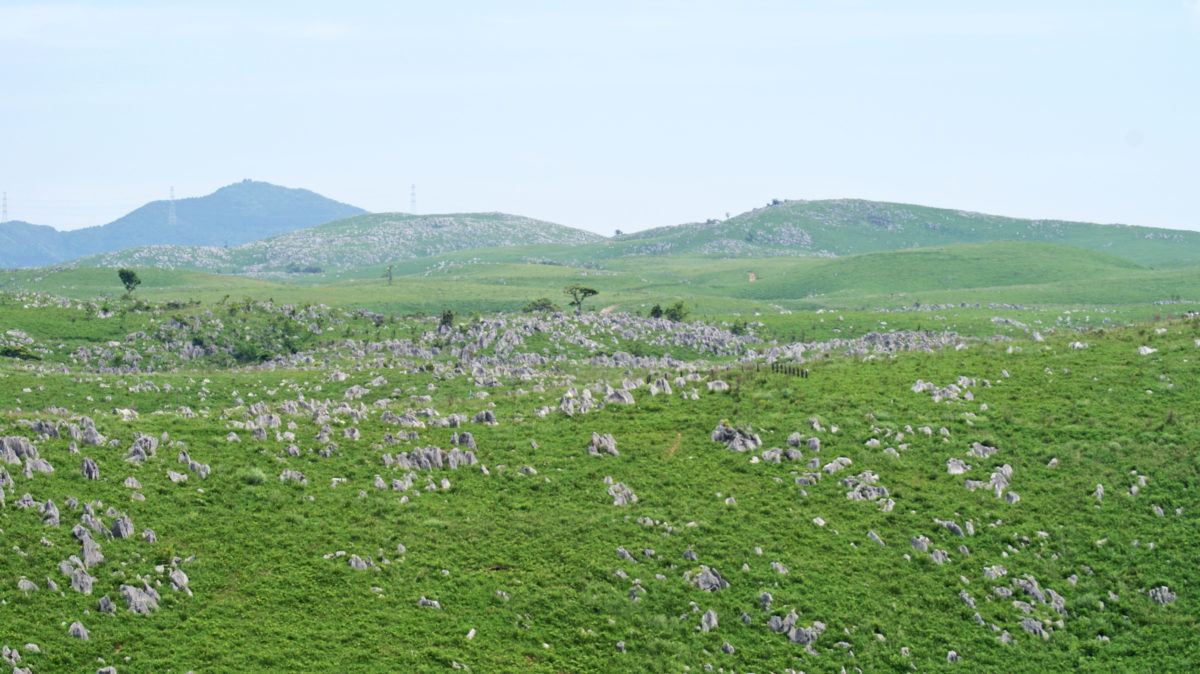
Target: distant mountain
372,239
851,226
832,228
26,245
233,215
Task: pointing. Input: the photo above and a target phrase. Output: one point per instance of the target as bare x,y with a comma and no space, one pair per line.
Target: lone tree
129,279
578,294
656,311
447,319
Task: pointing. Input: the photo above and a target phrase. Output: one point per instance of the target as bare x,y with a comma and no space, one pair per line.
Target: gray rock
428,603
1034,627
50,515
621,495
122,527
178,578
486,417
293,475
90,552
709,580
26,586
956,466
148,536
602,443
142,601
708,621
81,582
78,631
805,635
105,605
89,469
727,647
1161,595
764,600
875,537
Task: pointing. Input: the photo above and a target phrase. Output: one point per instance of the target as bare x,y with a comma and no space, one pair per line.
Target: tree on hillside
656,311
579,293
676,312
447,318
129,279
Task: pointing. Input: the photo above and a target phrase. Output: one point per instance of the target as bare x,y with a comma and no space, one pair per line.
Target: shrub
540,304
252,476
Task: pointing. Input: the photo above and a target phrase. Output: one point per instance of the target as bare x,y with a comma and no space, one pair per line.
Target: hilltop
233,215
840,227
371,239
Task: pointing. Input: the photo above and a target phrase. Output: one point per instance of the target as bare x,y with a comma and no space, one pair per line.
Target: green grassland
505,279
527,560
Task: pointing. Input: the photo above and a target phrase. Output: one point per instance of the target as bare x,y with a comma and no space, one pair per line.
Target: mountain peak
232,215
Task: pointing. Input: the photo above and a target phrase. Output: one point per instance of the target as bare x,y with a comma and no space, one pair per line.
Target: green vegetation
524,560
129,279
541,304
578,293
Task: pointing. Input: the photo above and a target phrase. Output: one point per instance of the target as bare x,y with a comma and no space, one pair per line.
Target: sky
606,115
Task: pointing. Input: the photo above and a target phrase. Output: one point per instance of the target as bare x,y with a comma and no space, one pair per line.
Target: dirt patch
608,309
674,446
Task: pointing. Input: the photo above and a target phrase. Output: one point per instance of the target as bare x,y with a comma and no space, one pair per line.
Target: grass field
522,558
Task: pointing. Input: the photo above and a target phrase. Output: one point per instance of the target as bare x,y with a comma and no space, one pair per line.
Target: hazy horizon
633,116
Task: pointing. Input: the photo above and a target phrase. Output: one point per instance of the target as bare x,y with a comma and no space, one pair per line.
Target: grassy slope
503,279
548,540
851,226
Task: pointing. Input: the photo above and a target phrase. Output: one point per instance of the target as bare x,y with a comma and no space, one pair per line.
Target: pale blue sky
607,115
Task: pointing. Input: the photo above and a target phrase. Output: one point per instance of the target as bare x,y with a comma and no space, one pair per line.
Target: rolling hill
851,226
233,215
372,239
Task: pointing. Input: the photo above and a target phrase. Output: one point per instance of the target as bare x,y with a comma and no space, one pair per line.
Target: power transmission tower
171,210
412,202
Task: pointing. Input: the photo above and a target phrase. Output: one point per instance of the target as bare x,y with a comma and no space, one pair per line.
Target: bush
541,304
447,319
676,312
252,476
656,311
19,352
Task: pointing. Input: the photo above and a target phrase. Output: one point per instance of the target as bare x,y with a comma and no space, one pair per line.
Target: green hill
372,239
851,226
